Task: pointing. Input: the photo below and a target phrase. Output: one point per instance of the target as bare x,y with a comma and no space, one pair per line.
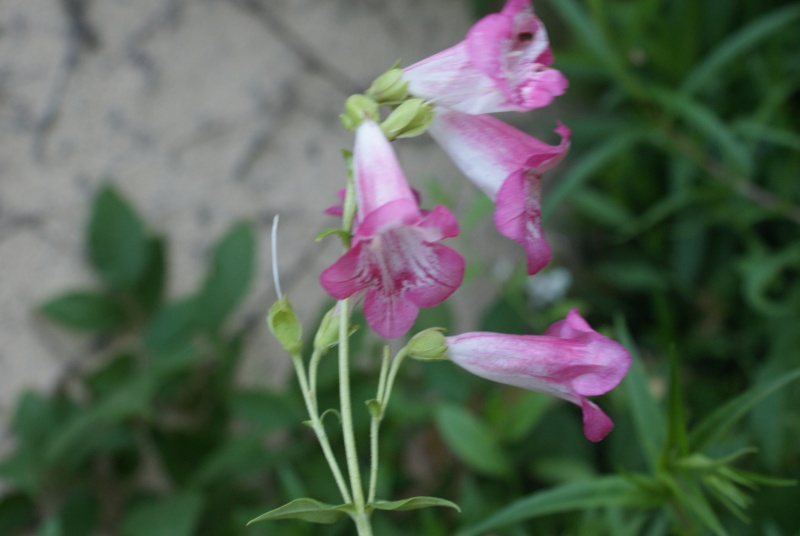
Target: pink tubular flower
501,66
507,166
570,361
394,256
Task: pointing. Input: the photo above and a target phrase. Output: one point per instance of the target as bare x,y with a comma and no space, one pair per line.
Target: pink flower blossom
506,165
395,258
570,361
502,65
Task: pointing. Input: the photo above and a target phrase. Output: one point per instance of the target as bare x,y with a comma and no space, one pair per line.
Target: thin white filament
275,275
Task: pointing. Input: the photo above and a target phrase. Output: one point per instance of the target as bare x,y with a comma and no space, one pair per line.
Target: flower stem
346,411
374,427
309,396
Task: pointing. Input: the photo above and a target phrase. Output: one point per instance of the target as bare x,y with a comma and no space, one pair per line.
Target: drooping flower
502,65
394,259
570,361
507,165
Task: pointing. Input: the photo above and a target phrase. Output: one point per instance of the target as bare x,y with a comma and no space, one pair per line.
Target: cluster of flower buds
395,260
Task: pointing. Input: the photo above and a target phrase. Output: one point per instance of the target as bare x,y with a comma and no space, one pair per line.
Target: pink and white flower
570,361
395,259
507,165
502,65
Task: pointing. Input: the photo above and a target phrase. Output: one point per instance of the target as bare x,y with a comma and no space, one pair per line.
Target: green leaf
648,418
172,516
17,512
149,289
588,165
264,411
173,325
523,414
51,527
414,503
599,492
232,266
707,122
740,42
116,239
306,510
241,455
723,418
676,435
472,441
84,311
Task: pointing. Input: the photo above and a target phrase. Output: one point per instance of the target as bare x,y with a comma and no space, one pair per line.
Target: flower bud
428,345
389,87
356,109
284,324
410,119
328,332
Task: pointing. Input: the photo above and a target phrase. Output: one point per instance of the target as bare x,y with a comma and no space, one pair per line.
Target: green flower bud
356,109
410,119
428,345
328,332
284,324
389,87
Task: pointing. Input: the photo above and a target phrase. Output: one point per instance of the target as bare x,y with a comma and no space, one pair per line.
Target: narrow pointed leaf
599,492
720,421
414,503
306,510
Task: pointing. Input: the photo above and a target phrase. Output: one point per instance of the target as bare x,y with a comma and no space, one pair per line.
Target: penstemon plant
393,261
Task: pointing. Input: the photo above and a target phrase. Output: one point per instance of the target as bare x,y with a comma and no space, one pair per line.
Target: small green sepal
284,324
410,119
428,345
389,88
307,510
328,332
375,408
357,108
341,233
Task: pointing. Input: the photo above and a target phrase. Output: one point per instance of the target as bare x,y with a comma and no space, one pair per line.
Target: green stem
309,396
374,427
398,360
346,411
363,525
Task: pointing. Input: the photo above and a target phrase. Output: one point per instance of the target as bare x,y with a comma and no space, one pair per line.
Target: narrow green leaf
232,267
590,163
676,437
414,503
648,418
85,311
116,239
740,42
706,121
308,510
596,493
178,515
720,421
472,441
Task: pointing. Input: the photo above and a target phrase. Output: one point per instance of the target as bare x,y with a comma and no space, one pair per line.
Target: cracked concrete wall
202,112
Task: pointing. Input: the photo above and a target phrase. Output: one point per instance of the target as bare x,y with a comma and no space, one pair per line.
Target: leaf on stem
307,510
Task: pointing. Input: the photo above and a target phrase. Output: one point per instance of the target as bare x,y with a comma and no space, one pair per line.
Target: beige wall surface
202,113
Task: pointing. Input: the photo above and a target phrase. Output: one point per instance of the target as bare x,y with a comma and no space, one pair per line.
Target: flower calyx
389,88
358,108
410,119
428,345
285,326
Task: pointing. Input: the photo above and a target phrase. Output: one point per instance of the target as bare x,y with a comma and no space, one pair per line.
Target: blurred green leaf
17,512
596,493
740,42
80,513
173,325
647,416
242,455
414,503
719,422
307,510
177,515
85,311
149,289
232,266
116,239
51,527
587,165
265,411
520,417
472,441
